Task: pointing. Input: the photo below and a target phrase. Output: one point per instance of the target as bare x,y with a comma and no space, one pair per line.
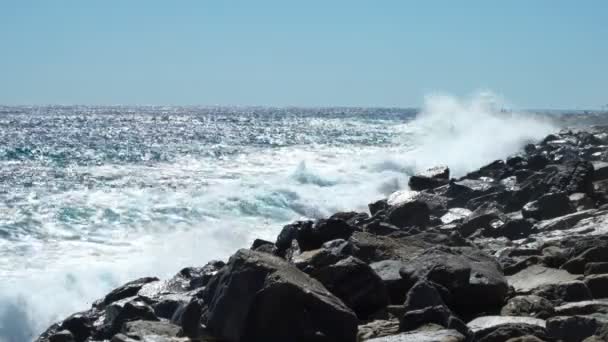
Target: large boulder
127,290
370,248
536,276
311,235
502,328
573,328
569,177
548,206
141,330
443,335
473,278
354,281
532,306
388,271
431,178
578,263
480,219
409,214
598,285
259,297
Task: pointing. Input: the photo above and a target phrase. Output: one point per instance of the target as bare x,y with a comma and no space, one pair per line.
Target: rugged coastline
514,251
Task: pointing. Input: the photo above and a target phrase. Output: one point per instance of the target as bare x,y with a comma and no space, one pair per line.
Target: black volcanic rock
313,236
261,297
409,214
548,206
127,290
431,178
473,278
356,283
426,259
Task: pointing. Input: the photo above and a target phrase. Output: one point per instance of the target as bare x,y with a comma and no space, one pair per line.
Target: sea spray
94,204
467,133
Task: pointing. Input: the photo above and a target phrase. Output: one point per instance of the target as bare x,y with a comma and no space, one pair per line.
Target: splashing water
466,134
95,196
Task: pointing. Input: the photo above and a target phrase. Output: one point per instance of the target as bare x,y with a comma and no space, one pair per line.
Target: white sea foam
204,208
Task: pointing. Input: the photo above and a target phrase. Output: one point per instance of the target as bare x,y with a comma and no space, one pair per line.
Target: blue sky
535,53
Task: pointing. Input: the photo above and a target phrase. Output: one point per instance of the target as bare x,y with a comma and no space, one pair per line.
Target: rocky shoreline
514,251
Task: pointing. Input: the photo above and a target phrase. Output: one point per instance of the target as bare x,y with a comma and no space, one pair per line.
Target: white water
223,205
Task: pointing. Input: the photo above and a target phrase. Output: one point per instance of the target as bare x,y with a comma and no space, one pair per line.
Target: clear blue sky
536,53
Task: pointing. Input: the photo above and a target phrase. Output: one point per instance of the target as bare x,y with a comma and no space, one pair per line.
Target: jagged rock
581,201
455,214
190,320
480,219
431,178
191,278
351,217
512,266
378,227
401,196
462,191
263,246
600,170
564,222
62,336
531,306
512,229
569,177
444,335
497,169
501,328
436,202
527,338
409,214
414,319
353,281
537,162
141,329
313,236
572,328
371,248
422,295
598,285
118,314
536,276
596,268
81,324
548,206
522,211
388,271
473,278
330,253
127,290
577,264
378,206
244,297
289,233
585,307
517,162
378,328
554,256
573,291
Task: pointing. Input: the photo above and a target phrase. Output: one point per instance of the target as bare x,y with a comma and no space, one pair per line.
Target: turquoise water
94,196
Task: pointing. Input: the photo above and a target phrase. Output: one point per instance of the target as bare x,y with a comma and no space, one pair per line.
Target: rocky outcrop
514,251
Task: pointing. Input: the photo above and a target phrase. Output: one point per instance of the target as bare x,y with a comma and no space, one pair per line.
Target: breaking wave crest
71,232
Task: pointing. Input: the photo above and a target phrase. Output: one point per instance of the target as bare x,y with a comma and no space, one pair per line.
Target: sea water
92,196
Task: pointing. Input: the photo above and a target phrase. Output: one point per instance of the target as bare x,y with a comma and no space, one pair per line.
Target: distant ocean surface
91,197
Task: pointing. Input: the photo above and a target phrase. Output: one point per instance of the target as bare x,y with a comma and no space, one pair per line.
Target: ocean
94,196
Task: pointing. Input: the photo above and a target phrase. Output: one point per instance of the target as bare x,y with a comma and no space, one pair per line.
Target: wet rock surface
514,251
